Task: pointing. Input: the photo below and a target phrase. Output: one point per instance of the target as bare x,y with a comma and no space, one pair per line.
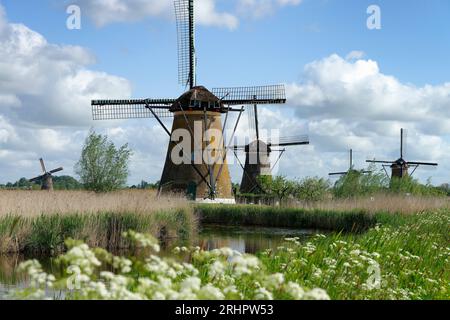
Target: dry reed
35,203
381,203
40,221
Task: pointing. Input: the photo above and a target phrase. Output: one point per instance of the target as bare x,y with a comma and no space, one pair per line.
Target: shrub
312,189
357,184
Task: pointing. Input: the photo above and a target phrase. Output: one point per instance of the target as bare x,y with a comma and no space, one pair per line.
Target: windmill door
191,191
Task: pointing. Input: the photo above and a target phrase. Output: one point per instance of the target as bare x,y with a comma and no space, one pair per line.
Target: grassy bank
349,215
333,220
381,203
39,222
408,261
46,233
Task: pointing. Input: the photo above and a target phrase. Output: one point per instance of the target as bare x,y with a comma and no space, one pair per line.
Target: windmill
400,167
196,110
258,152
351,168
46,178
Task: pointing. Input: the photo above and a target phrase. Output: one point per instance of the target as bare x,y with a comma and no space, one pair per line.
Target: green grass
251,215
413,259
46,233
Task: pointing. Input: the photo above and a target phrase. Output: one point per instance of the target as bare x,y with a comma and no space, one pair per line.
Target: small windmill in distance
257,160
400,167
351,168
46,178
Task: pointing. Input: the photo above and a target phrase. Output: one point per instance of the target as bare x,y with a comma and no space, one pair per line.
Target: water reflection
247,239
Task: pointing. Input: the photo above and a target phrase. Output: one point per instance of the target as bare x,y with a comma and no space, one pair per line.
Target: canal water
242,239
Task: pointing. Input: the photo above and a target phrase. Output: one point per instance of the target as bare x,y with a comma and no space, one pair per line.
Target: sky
348,86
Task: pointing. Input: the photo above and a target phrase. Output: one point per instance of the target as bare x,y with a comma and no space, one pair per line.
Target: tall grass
46,233
39,222
403,204
35,203
327,219
410,261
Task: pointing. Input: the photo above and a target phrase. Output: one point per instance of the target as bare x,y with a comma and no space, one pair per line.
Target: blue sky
413,44
413,47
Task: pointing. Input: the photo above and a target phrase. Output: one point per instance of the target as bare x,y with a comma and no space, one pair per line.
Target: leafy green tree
279,186
66,183
409,185
103,167
311,189
144,185
23,183
445,188
357,184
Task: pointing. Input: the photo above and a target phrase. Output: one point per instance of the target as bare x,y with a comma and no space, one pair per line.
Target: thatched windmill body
258,153
46,179
204,172
400,167
351,168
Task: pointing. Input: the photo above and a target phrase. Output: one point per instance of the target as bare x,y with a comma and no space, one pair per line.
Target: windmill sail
184,13
131,109
274,94
289,141
351,168
400,166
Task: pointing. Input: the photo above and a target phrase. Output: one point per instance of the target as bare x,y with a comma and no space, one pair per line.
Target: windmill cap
400,162
256,146
197,98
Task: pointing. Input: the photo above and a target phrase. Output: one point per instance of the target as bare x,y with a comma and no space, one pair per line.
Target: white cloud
262,8
47,84
104,12
352,104
45,93
354,55
335,87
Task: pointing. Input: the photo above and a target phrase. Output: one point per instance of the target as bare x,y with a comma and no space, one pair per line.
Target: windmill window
196,104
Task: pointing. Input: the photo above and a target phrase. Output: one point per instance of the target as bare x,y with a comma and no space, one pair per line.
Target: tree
409,185
311,189
445,188
144,185
102,167
279,186
66,183
357,184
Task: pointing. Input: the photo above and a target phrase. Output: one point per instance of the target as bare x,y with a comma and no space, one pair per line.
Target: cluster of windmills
400,168
210,109
200,105
204,179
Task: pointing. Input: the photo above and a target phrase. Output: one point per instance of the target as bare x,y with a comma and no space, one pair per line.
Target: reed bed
35,203
279,217
39,222
401,204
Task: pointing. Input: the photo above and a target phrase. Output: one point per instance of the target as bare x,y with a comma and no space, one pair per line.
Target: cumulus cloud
104,12
351,103
262,8
48,84
45,93
337,88
342,103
